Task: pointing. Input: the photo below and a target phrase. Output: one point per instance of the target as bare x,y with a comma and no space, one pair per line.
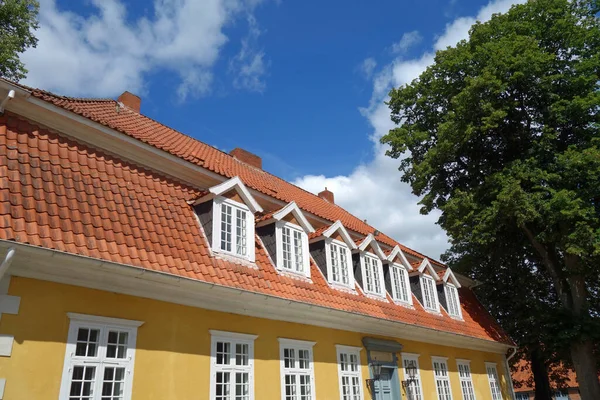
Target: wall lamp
411,374
375,367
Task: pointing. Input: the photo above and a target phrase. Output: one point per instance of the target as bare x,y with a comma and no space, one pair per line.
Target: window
400,286
297,371
349,372
452,301
521,396
466,382
414,390
292,252
492,374
233,228
429,293
372,275
339,262
232,366
99,358
442,380
560,395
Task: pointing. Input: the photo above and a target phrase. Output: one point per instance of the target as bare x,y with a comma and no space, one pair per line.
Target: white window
414,390
233,228
292,248
232,366
452,301
372,275
466,382
492,374
99,358
430,301
400,283
339,263
521,396
560,395
297,370
349,372
442,379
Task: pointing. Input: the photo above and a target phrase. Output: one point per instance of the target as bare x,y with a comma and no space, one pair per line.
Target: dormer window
226,214
448,293
452,301
429,293
424,286
368,257
372,279
396,276
285,236
330,248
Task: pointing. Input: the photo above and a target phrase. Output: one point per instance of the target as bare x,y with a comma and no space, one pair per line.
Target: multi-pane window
297,371
99,359
429,293
400,283
349,373
293,248
560,395
521,396
466,382
452,301
234,234
413,390
372,277
339,260
492,374
232,367
442,379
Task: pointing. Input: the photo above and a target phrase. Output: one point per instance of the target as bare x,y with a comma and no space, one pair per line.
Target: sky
302,84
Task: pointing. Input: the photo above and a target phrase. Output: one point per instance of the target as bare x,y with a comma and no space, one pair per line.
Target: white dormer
338,258
427,278
370,255
399,267
451,286
227,216
291,230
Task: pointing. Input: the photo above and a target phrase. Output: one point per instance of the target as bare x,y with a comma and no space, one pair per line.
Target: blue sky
300,83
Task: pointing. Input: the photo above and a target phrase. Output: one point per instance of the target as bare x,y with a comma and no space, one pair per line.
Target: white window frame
436,305
279,226
521,396
495,390
104,324
297,345
233,339
344,247
404,276
216,233
467,380
349,351
406,357
441,361
452,294
377,269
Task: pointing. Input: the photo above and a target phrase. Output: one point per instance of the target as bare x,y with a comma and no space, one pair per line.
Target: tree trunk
540,376
585,367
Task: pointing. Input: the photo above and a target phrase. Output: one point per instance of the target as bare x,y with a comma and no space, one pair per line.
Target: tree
18,21
501,134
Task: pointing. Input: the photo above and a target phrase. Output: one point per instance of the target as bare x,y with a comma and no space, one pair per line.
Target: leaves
18,21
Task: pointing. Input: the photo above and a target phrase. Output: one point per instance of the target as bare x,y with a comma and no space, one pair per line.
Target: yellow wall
173,346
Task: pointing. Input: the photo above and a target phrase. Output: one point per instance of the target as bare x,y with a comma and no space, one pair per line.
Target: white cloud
367,67
249,66
108,51
408,40
373,190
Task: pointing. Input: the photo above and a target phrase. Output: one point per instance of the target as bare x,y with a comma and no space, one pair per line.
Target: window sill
234,259
294,275
375,296
342,288
404,304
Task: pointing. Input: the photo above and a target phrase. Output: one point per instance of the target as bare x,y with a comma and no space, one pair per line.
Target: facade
524,387
139,263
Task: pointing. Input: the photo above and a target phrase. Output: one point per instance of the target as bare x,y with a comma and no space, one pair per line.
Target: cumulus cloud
408,40
107,51
249,66
367,67
373,190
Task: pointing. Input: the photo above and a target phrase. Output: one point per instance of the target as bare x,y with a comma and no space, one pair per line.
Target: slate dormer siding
317,252
205,215
387,278
415,287
357,271
442,296
267,235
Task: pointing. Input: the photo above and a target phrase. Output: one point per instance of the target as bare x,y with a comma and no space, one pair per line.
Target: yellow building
139,263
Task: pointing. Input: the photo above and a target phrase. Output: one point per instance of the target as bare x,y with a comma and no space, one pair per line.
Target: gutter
509,375
8,258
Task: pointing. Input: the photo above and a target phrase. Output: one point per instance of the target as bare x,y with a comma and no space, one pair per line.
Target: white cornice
337,226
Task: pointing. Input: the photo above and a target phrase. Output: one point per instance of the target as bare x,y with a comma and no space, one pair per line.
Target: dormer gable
423,285
397,256
330,248
395,273
447,289
426,268
284,234
368,267
337,231
369,244
226,213
449,277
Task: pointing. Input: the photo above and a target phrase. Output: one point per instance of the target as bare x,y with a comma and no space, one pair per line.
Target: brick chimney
130,101
327,196
247,157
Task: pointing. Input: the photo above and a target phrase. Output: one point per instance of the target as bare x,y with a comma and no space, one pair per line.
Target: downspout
6,262
508,374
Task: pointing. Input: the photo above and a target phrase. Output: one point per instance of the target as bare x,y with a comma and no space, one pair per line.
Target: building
524,387
139,263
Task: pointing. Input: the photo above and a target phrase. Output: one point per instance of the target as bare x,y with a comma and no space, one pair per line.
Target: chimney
327,196
130,101
247,157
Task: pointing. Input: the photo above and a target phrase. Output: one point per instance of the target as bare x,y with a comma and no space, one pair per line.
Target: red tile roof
560,377
65,195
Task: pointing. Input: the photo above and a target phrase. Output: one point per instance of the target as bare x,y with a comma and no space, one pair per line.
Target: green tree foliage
501,134
18,21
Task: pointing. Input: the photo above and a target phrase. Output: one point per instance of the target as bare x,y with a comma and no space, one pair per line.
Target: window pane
113,383
335,260
226,227
242,387
82,382
288,358
223,351
303,359
241,354
240,231
287,247
116,346
87,342
305,392
344,266
290,387
222,386
298,253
